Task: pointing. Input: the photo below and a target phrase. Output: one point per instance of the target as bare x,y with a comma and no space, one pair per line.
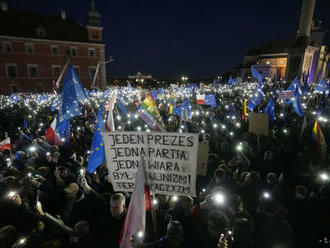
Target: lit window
32,70
267,62
28,48
7,47
73,51
91,52
54,50
11,71
282,62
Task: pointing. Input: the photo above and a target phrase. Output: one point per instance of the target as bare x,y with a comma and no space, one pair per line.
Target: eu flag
256,74
257,97
297,106
232,81
121,107
270,110
72,94
210,100
64,131
97,156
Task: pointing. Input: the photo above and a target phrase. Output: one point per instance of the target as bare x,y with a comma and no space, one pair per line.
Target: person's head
242,228
81,229
117,204
216,223
71,191
271,178
55,157
268,155
64,172
252,178
235,205
220,173
174,232
14,198
8,235
301,192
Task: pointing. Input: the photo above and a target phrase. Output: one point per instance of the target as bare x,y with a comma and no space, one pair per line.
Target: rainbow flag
321,145
244,110
148,112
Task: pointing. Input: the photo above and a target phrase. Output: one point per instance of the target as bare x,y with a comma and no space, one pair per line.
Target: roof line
50,41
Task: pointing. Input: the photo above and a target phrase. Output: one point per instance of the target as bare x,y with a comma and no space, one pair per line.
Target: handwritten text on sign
170,160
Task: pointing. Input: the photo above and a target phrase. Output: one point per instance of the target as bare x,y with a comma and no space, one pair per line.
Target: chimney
306,18
63,14
4,6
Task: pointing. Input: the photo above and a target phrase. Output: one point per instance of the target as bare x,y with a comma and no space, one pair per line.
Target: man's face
15,199
117,208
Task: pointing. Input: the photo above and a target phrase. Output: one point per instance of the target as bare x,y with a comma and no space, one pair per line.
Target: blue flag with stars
270,110
256,74
72,94
232,81
64,132
97,156
257,97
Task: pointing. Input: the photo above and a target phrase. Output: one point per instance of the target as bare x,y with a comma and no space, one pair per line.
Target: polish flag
200,99
134,225
5,144
51,135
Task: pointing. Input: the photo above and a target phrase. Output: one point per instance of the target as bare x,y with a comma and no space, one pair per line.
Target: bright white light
48,153
202,131
324,176
82,171
219,198
11,194
175,198
154,202
138,128
63,139
223,126
285,131
22,241
32,149
140,234
231,133
29,174
239,147
118,117
238,125
266,195
215,125
204,190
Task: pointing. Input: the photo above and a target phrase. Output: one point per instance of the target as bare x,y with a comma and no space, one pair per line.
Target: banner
258,123
171,160
286,94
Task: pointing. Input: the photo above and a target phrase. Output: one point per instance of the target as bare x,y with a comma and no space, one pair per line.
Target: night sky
170,38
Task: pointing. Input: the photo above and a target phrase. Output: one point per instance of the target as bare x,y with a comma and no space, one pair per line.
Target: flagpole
152,210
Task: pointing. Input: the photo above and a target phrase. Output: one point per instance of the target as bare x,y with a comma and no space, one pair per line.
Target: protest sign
259,123
203,154
171,160
286,94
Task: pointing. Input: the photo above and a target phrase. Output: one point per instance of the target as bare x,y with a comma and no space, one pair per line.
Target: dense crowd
264,192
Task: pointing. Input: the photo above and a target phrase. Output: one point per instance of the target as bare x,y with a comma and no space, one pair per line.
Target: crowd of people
263,192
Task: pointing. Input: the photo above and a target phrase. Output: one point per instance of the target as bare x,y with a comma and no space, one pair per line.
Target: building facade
307,54
35,48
